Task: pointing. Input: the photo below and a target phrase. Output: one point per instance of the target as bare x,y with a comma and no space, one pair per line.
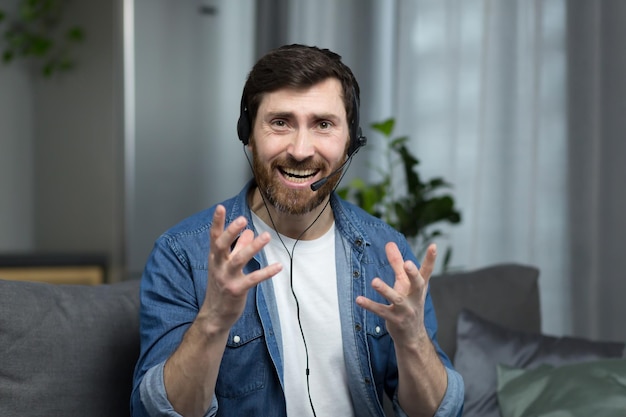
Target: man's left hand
404,315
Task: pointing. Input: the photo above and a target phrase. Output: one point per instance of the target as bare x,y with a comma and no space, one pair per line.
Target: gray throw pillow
67,350
505,293
483,345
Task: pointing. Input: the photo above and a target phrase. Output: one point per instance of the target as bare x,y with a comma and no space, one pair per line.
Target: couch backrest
507,294
67,350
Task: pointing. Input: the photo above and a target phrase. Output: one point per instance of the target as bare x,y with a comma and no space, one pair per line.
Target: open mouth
298,175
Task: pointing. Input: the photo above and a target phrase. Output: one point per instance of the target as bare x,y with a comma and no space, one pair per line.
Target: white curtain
481,92
483,88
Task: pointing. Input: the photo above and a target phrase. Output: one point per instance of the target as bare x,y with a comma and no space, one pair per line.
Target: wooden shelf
86,275
54,268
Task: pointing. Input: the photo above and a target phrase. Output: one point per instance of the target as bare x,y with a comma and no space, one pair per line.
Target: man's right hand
190,374
227,285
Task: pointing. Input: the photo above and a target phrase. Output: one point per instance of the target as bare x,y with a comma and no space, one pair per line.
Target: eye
325,125
279,123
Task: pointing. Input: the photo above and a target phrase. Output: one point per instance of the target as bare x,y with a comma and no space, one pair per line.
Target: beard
288,200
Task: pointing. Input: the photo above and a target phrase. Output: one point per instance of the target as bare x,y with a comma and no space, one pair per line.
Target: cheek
340,153
333,151
269,144
260,150
266,155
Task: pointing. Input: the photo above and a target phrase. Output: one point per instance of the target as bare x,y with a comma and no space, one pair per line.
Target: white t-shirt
315,286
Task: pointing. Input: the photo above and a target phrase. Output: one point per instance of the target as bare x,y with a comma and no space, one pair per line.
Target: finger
413,274
395,259
216,230
217,227
390,294
428,265
222,239
245,238
247,247
379,309
263,274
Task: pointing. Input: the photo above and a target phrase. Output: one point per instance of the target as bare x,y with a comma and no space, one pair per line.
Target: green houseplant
37,33
415,210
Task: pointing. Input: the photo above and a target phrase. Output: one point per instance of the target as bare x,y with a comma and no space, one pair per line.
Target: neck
307,226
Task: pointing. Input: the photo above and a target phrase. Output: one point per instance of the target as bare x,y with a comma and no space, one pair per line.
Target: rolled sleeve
154,397
452,402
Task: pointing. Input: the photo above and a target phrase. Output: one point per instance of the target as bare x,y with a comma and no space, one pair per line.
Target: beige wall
61,146
63,159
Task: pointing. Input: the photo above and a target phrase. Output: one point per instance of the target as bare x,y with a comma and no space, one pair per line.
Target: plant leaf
75,34
7,56
385,127
414,212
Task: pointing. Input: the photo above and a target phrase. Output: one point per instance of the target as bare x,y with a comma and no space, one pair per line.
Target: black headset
357,140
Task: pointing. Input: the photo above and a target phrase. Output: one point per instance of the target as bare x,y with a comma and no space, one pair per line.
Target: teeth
298,174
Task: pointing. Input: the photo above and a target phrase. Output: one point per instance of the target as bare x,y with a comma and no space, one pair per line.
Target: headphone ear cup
356,135
243,124
243,128
356,144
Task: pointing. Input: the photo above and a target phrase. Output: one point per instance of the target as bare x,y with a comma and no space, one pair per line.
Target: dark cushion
592,388
67,350
483,345
507,294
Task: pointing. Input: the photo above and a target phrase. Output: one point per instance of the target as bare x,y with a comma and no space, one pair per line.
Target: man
286,300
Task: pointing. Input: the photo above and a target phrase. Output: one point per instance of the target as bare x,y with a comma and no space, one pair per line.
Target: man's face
299,137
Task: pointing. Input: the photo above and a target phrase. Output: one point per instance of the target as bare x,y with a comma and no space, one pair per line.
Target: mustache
292,163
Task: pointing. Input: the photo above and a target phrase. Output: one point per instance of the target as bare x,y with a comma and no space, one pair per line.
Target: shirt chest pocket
246,361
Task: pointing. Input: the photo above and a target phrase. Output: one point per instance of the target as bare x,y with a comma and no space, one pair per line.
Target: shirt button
236,339
377,329
356,274
357,327
358,242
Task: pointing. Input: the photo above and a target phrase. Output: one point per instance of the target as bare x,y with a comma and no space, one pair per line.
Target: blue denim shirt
250,381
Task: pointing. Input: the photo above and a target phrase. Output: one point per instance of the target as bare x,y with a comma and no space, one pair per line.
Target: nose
302,146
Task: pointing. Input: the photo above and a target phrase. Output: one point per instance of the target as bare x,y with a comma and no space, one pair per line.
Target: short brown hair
298,66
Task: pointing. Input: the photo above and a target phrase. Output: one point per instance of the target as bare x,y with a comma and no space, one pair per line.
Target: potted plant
416,209
36,33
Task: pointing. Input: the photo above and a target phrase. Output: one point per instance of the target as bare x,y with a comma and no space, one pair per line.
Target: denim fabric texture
250,379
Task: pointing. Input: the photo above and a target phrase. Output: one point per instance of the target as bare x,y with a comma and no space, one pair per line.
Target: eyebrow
290,115
280,115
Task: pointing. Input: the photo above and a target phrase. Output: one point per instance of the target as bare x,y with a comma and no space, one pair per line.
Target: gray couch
491,317
67,350
70,350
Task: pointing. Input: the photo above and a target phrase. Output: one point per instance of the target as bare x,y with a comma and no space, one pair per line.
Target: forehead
323,97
